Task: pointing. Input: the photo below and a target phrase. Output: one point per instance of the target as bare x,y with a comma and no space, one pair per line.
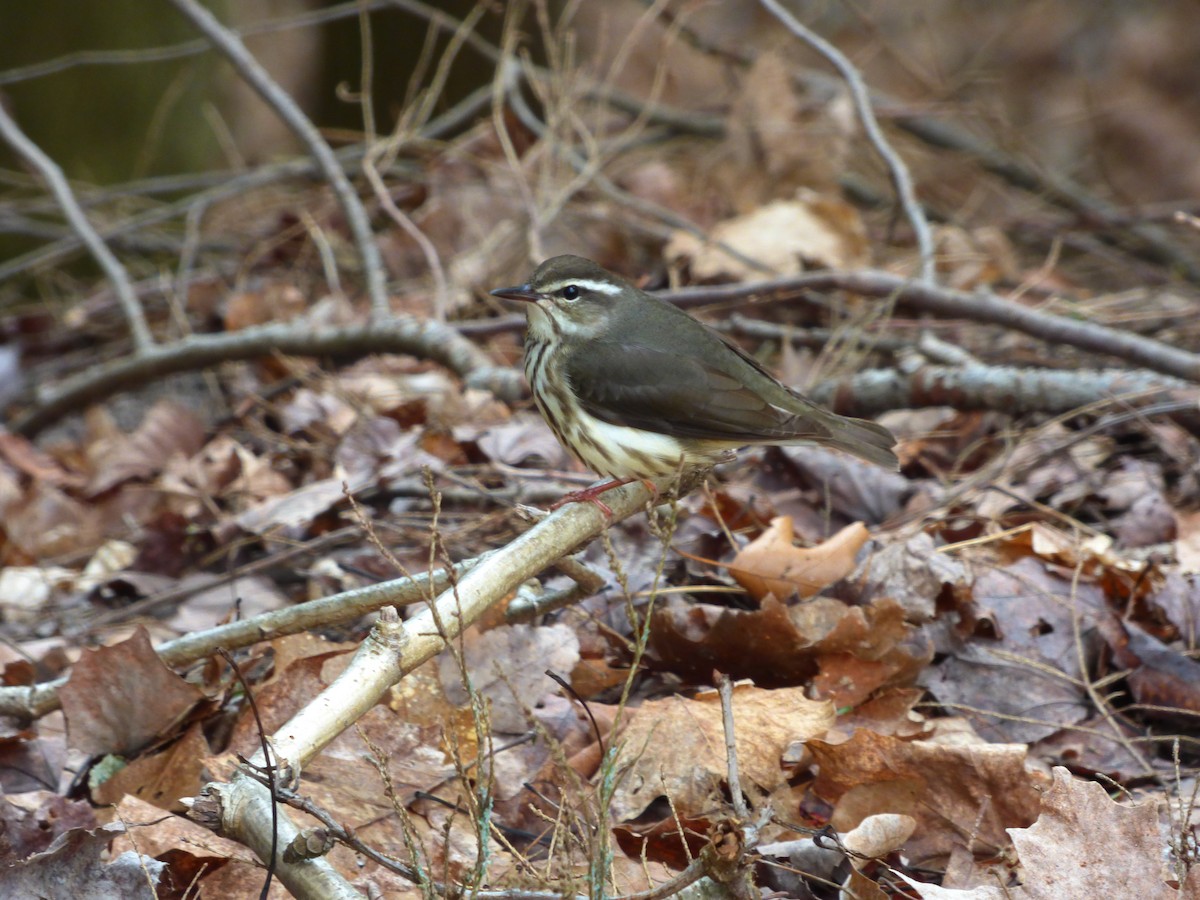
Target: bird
639,390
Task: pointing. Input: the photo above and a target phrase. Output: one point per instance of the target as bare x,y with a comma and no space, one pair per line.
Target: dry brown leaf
676,747
1101,743
25,591
962,795
344,778
891,712
160,778
1068,851
878,835
277,301
1161,678
770,564
285,695
76,865
763,645
526,436
974,259
786,236
508,667
118,699
29,459
777,140
32,820
190,851
1023,663
223,468
1082,845
311,412
673,841
242,597
849,489
378,449
168,430
47,522
914,574
853,650
1187,541
631,875
295,509
29,764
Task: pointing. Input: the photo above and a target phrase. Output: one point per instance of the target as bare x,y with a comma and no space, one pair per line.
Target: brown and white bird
637,389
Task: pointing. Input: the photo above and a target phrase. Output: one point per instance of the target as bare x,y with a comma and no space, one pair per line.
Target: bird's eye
571,292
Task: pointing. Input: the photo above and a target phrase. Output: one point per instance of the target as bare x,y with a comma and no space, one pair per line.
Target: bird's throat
539,324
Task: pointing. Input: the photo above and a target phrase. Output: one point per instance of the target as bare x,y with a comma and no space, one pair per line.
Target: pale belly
617,451
622,452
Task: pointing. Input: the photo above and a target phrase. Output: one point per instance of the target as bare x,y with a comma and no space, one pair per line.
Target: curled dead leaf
786,236
772,565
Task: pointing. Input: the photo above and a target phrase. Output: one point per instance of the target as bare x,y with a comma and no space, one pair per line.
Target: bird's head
571,298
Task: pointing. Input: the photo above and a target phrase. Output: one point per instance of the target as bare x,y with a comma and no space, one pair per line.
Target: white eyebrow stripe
600,287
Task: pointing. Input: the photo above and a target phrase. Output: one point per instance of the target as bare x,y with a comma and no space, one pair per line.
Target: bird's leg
592,494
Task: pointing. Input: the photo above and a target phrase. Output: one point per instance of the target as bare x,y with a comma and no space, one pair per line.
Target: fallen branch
977,307
423,339
27,702
1006,389
240,809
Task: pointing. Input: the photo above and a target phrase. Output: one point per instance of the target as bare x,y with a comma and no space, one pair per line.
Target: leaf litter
963,669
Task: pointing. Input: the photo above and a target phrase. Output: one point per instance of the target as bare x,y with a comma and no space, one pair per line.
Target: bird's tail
866,440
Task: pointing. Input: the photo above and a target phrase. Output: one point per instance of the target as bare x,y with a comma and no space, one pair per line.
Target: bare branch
976,307
278,99
862,103
34,701
424,339
112,267
240,808
1010,390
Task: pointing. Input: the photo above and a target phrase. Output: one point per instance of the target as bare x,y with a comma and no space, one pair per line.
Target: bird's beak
520,292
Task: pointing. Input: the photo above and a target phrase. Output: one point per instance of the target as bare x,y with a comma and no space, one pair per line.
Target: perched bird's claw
592,495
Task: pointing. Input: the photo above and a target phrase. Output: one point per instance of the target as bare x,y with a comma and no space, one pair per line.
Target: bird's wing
681,396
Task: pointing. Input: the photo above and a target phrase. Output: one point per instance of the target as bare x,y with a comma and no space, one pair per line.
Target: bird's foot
592,494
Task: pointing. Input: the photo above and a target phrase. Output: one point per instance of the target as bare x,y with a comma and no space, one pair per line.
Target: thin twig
693,872
901,180
725,688
269,771
112,267
228,43
589,173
